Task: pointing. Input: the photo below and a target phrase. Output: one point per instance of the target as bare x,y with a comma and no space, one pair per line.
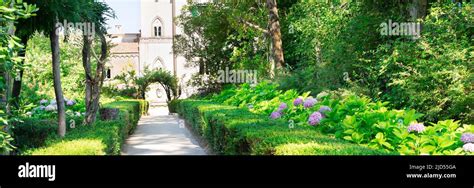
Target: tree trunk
16,90
86,55
274,31
418,9
58,91
93,82
100,75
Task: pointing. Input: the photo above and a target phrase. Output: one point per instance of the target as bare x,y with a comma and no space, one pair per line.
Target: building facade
152,47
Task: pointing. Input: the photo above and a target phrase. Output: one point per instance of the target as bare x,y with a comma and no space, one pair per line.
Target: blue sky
128,15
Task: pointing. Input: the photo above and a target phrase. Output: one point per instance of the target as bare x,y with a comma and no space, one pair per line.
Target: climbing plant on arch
164,78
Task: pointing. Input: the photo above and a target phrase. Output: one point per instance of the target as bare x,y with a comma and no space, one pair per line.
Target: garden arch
168,81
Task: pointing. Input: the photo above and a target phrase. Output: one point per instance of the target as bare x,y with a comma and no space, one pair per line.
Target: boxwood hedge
234,131
102,138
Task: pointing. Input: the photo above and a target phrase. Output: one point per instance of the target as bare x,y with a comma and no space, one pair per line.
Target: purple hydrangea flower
309,102
323,109
275,115
44,101
315,118
70,102
41,107
282,107
51,107
417,127
467,138
298,101
469,147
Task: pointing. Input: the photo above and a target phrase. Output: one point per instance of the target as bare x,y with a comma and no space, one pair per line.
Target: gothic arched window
157,26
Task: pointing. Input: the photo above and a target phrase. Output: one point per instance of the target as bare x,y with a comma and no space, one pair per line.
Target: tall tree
50,14
58,91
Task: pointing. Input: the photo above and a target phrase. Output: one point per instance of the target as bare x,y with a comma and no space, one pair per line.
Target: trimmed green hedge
173,105
232,130
33,132
131,111
102,138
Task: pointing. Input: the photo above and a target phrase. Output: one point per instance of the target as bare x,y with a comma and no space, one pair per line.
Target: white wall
153,47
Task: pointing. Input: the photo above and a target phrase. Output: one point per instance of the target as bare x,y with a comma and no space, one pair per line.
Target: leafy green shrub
359,120
5,138
33,132
99,139
373,124
331,46
131,111
5,143
173,105
247,94
37,79
233,130
434,73
104,137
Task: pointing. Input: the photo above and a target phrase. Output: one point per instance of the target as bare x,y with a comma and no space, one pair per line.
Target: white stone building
152,46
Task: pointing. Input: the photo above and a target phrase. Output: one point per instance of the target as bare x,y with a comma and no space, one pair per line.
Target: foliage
32,132
167,80
434,73
324,42
11,11
123,85
247,94
131,111
233,130
173,105
339,45
5,138
5,143
215,38
134,86
37,80
353,118
102,138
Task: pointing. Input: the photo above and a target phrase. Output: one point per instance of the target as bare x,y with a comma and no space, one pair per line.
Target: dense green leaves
102,138
339,45
234,131
10,13
434,73
352,118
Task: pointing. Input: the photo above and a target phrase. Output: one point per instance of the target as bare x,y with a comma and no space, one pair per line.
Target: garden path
161,134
